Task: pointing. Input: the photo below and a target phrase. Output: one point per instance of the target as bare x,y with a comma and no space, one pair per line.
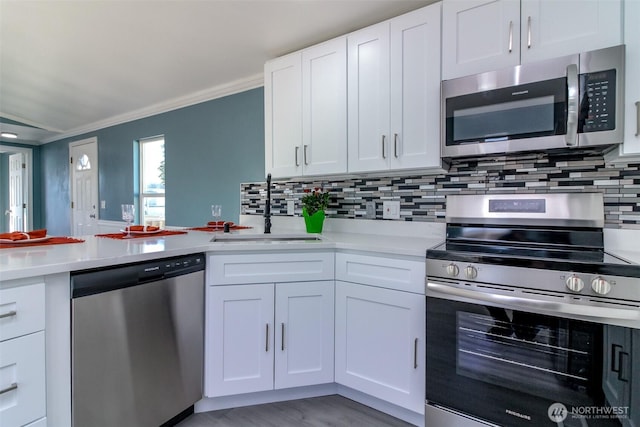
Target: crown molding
220,91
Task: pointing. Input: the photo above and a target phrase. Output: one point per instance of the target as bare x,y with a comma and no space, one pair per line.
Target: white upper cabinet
479,35
563,27
631,145
369,98
394,93
283,115
482,35
305,111
415,90
324,108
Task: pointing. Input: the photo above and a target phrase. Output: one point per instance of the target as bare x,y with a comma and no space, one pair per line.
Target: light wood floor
332,410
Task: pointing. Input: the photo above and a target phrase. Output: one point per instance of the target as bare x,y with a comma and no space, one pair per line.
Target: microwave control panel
598,101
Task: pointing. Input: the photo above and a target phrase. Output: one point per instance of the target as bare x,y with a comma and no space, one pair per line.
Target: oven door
513,367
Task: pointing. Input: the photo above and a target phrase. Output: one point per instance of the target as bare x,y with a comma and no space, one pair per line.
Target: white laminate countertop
388,238
376,237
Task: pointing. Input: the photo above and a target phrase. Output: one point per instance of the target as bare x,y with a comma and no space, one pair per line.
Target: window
152,181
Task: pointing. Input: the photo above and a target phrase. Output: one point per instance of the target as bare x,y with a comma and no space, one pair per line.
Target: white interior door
83,160
17,204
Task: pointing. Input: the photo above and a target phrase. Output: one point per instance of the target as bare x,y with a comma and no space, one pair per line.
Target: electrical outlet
103,204
391,209
291,207
371,210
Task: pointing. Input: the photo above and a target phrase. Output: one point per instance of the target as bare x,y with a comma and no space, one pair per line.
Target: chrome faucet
267,208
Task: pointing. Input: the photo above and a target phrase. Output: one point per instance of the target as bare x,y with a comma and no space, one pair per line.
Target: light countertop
377,237
388,238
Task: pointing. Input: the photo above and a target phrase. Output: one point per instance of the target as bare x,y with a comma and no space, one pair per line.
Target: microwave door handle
522,303
571,137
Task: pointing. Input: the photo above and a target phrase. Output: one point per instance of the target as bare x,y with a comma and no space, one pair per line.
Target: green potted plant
314,203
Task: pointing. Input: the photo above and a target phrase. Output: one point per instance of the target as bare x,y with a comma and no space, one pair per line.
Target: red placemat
51,241
140,236
207,228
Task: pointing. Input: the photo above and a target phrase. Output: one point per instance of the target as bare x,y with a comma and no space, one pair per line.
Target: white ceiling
69,67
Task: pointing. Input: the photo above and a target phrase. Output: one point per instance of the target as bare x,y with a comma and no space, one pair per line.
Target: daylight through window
152,181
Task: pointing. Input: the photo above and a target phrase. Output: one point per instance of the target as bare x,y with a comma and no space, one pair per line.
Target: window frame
142,196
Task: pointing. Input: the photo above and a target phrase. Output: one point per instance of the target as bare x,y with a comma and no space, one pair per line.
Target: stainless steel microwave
572,101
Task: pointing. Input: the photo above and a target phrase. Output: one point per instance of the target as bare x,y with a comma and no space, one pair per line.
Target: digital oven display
517,206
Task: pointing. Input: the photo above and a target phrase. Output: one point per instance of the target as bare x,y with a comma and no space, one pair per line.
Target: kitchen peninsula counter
378,237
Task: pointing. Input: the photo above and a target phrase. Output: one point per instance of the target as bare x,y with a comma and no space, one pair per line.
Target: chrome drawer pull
282,346
266,341
415,354
8,314
13,386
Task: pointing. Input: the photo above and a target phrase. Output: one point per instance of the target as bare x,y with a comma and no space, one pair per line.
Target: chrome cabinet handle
8,314
519,303
638,118
296,154
510,36
266,340
529,32
395,145
384,155
13,386
282,331
415,353
572,105
304,154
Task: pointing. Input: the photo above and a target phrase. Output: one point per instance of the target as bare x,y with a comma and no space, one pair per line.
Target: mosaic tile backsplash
423,197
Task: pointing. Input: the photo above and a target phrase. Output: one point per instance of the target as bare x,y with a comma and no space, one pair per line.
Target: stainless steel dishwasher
137,342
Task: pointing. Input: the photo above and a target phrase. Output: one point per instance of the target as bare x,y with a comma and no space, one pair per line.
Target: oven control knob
575,283
471,272
600,286
452,270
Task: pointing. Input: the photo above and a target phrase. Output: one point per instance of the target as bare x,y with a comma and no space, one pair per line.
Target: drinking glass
128,214
216,212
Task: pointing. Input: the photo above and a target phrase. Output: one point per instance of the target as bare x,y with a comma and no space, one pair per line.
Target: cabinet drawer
21,310
22,380
392,273
269,268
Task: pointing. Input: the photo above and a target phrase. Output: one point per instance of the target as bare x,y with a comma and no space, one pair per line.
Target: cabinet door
368,98
479,36
415,89
324,108
304,334
632,82
616,341
380,337
239,350
563,27
283,115
22,380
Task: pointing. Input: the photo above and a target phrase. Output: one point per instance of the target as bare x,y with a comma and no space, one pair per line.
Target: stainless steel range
529,321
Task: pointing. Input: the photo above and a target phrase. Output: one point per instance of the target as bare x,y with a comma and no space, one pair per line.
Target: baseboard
225,402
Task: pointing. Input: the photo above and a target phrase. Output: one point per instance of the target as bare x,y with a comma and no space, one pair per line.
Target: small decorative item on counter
24,235
314,203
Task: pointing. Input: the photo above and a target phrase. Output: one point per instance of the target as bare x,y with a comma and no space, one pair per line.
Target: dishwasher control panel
94,281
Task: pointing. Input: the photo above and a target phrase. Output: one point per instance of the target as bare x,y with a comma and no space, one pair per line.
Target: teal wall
210,149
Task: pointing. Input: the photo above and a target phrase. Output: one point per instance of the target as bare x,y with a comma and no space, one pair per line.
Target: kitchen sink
280,238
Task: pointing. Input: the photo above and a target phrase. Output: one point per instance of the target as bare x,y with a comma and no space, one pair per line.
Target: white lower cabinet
22,352
22,380
380,345
268,336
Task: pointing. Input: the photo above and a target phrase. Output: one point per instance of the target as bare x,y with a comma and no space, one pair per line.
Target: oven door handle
519,303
